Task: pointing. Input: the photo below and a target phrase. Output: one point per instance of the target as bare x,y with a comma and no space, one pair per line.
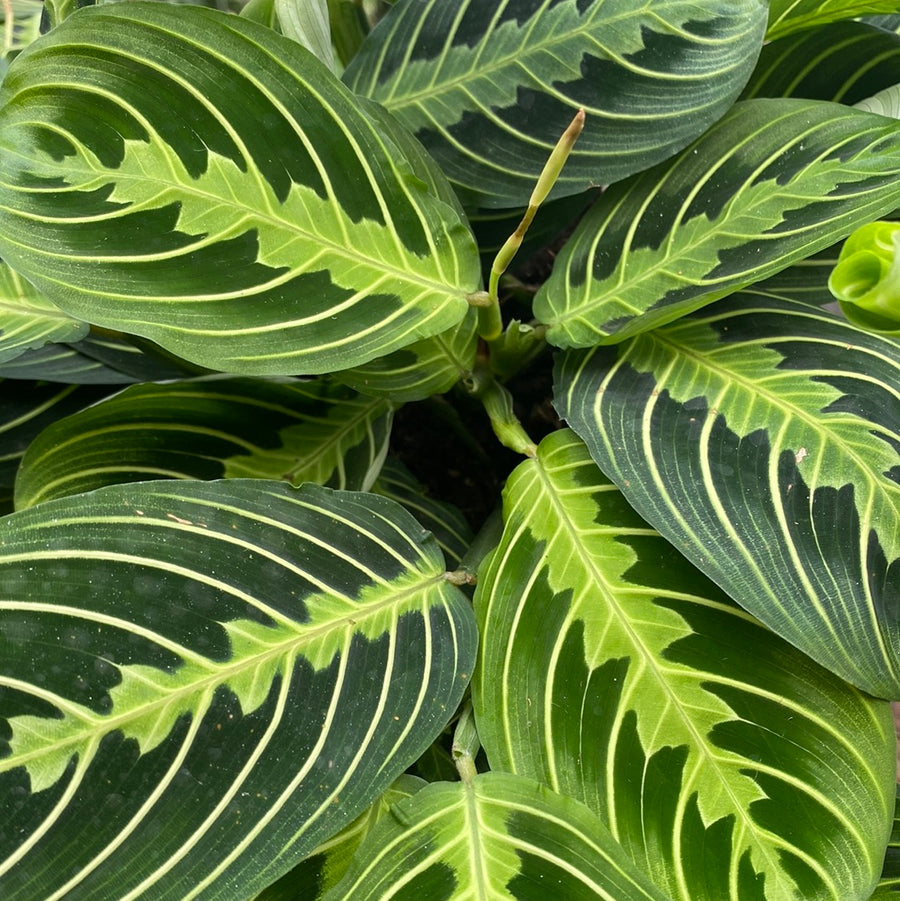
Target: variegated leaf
294,431
771,183
443,520
325,867
21,25
208,184
889,884
728,764
844,62
26,409
202,682
761,437
499,837
422,369
488,86
29,320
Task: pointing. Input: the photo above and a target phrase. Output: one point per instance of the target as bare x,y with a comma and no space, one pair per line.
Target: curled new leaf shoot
866,279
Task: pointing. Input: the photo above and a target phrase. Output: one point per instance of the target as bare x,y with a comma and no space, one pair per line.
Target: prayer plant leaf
200,682
26,409
206,183
29,320
771,183
422,369
231,428
498,837
845,62
488,87
889,884
728,764
788,16
761,437
96,360
446,522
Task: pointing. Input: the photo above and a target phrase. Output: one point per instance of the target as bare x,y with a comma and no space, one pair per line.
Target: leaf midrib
729,377
706,291
511,60
245,215
749,826
220,674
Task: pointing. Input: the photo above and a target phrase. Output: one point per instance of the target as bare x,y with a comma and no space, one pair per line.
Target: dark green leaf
845,62
768,185
294,431
500,837
726,763
202,682
761,437
208,184
488,88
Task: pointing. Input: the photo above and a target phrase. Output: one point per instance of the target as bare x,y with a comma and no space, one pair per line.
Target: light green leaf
293,431
202,682
761,438
771,183
29,320
500,837
866,279
788,16
280,234
488,88
306,22
844,62
726,763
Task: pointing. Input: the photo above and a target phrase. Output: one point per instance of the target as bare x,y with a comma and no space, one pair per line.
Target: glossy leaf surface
208,184
488,87
500,837
728,764
233,428
769,184
238,670
761,438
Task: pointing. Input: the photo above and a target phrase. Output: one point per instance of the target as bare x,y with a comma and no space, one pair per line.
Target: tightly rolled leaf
866,279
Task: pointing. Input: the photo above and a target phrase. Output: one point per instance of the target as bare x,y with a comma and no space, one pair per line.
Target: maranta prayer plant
246,654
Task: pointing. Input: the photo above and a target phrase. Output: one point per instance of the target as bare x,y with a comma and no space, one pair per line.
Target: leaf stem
466,744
